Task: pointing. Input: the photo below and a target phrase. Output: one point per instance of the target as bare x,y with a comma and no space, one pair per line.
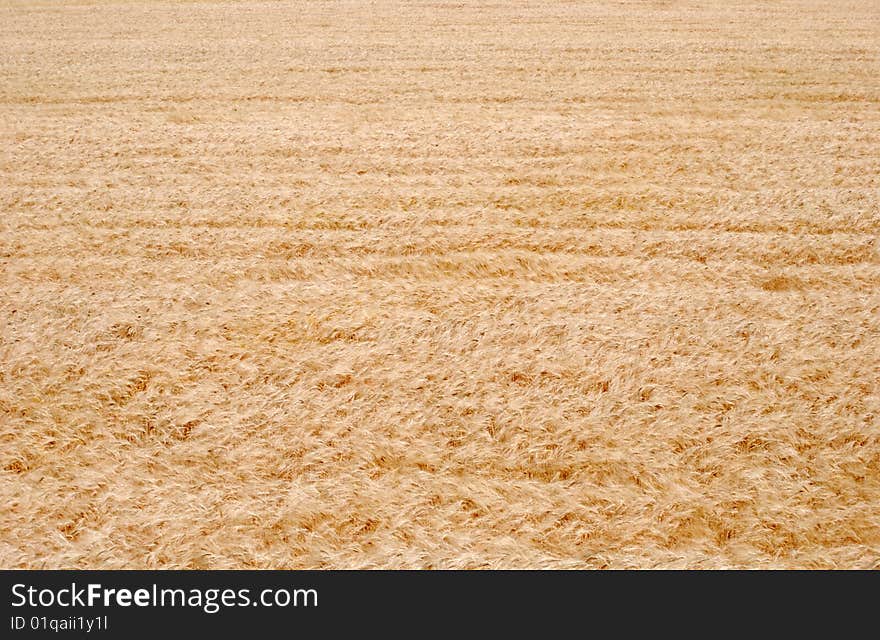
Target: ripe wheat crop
360,284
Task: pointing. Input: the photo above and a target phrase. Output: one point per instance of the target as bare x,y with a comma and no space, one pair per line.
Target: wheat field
361,284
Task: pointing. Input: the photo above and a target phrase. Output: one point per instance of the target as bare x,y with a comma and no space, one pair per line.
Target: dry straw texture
421,284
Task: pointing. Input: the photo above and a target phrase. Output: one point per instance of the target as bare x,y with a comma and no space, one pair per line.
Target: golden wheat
410,284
